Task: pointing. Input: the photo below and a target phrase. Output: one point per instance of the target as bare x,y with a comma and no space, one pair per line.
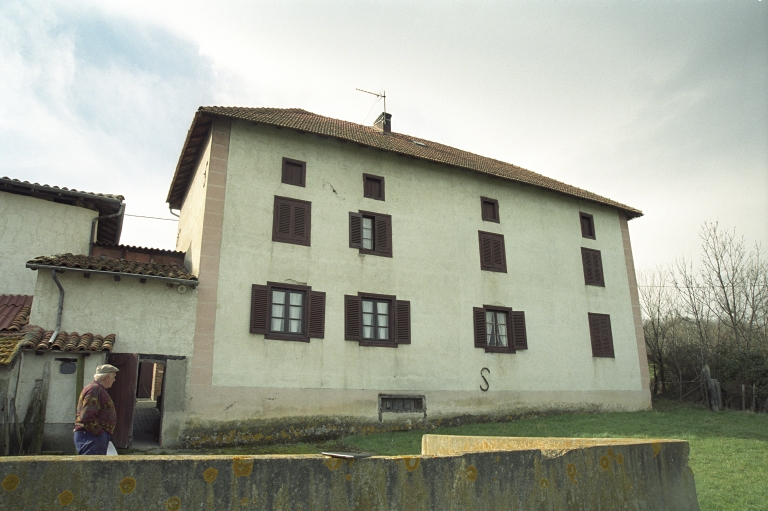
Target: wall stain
544,483
333,463
66,497
471,473
605,463
10,482
349,477
210,474
127,485
244,502
571,471
619,459
656,448
411,464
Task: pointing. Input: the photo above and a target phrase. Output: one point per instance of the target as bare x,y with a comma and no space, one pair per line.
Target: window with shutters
292,221
499,329
373,187
490,209
593,267
601,336
587,225
492,255
371,233
287,312
377,320
294,172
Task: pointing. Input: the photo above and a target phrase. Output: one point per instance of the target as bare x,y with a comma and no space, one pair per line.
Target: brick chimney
384,123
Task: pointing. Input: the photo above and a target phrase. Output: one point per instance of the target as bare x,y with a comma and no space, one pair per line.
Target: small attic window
422,144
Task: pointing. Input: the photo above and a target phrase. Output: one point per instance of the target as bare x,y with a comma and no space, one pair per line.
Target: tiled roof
111,265
14,312
304,121
38,339
109,229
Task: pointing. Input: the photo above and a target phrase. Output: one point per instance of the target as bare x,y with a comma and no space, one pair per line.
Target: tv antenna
382,95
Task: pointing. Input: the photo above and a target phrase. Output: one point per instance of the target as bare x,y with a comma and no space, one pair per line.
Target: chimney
384,123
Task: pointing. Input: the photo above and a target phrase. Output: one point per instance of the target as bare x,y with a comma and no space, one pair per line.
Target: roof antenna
382,95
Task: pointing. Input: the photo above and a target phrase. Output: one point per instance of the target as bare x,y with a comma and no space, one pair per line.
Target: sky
661,105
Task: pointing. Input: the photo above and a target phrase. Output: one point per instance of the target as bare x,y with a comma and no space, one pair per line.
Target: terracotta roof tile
60,190
9,347
14,312
108,264
38,339
302,120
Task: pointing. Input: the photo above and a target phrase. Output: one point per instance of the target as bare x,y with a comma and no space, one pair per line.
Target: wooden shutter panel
486,252
283,213
383,235
597,268
479,326
351,318
355,230
601,335
259,308
301,222
499,259
403,321
593,267
316,315
519,335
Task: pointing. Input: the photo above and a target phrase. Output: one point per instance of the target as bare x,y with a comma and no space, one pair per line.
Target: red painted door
123,394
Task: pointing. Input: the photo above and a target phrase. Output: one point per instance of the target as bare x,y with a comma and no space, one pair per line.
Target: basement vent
402,404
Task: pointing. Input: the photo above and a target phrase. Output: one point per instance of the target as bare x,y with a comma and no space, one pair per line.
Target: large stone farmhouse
339,277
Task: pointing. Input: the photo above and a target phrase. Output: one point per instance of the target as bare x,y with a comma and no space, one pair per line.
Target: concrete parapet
481,473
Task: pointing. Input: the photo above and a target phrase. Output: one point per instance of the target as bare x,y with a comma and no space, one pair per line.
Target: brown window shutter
316,315
351,318
479,325
499,258
492,254
355,230
601,335
519,336
294,172
486,253
403,321
259,307
593,267
383,234
283,213
301,222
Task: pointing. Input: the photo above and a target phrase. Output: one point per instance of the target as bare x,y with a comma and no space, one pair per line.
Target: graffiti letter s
487,385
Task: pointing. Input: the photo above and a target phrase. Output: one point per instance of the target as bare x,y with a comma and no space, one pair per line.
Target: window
600,334
371,233
292,221
373,187
287,312
499,329
587,225
490,209
294,172
377,320
492,255
593,267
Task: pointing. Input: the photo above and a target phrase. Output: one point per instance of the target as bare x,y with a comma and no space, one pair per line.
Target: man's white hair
101,376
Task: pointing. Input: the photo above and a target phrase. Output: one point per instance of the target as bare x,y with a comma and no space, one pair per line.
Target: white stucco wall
31,227
435,222
149,318
191,216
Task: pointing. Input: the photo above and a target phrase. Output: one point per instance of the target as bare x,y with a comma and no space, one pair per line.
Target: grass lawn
729,450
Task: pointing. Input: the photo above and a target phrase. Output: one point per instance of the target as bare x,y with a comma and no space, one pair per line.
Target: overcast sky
661,105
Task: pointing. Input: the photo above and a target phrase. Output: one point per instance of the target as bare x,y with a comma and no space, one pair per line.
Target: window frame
303,173
378,220
312,317
600,326
495,203
292,237
517,332
491,236
371,177
592,264
399,320
590,231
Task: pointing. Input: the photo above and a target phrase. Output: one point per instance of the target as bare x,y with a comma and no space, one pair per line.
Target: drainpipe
93,226
61,308
174,214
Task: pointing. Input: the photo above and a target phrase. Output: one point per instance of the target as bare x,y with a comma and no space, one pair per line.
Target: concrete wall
435,221
636,475
31,227
191,217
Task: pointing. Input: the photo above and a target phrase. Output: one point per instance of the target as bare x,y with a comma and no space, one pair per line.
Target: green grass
729,450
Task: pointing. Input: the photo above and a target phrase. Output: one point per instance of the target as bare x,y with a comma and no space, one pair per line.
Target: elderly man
96,416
